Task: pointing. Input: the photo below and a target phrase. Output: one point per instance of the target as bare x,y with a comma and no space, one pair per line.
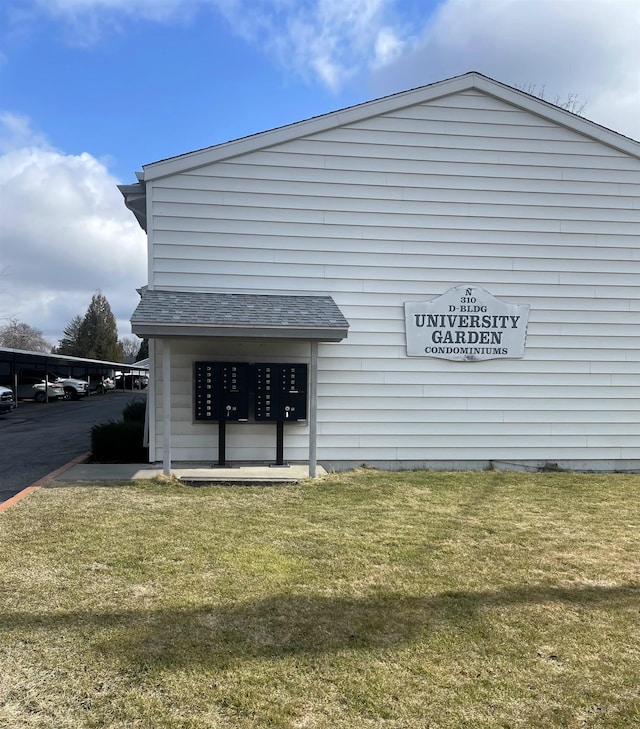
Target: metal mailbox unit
228,391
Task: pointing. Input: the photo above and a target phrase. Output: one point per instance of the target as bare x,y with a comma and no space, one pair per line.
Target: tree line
92,336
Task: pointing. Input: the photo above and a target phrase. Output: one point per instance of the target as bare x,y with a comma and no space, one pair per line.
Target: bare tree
131,346
18,335
570,103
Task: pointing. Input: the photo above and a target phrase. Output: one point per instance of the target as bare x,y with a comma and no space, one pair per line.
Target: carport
13,361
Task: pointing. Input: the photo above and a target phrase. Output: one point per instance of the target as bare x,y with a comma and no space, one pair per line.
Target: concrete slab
192,474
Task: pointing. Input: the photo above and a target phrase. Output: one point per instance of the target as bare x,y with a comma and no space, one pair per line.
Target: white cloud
158,10
86,23
16,132
388,47
588,48
65,234
329,41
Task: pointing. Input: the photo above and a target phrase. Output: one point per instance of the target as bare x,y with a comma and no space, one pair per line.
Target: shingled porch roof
163,313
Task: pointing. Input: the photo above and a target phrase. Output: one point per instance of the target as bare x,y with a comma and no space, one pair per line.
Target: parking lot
38,438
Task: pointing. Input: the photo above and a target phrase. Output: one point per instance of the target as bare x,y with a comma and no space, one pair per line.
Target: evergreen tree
69,343
143,352
97,335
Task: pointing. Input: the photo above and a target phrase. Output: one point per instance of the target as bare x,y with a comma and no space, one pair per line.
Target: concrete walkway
188,473
79,471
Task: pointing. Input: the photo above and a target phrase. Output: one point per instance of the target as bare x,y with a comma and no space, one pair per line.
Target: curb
43,481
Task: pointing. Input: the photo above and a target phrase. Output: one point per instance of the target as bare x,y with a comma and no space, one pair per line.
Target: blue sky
90,90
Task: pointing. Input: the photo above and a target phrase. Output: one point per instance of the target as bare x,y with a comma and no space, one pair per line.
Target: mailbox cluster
229,391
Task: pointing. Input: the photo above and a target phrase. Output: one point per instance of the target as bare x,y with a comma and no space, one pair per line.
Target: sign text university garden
466,323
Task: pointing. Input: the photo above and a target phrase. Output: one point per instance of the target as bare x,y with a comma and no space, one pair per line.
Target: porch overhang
164,313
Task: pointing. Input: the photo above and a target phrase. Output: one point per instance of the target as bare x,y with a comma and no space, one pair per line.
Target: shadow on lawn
215,636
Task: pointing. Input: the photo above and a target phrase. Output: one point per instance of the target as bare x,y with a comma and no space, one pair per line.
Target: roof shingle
199,313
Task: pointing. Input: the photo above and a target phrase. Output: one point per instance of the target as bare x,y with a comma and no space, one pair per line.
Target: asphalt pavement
36,439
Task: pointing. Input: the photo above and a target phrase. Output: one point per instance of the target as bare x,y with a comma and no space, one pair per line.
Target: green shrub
134,411
118,442
121,441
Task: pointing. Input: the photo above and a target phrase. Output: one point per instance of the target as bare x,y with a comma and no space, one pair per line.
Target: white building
328,243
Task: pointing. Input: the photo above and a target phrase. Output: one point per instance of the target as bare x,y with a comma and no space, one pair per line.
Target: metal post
152,396
280,443
166,407
313,410
222,442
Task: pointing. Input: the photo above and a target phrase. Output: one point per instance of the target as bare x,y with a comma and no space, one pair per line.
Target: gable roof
457,84
163,313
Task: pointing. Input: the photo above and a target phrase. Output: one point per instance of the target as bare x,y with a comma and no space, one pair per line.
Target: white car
55,391
73,389
7,400
106,384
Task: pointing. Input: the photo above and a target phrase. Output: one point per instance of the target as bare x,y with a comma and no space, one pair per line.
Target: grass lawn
365,599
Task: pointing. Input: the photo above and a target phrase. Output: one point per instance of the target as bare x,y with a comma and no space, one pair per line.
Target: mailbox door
206,391
293,392
235,391
265,383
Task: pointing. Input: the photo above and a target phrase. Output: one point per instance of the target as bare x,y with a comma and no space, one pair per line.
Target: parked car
7,400
106,384
73,388
132,382
55,391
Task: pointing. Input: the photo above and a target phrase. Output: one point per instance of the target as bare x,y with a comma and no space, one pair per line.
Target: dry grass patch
366,599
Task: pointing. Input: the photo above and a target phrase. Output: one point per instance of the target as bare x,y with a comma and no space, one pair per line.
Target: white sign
466,323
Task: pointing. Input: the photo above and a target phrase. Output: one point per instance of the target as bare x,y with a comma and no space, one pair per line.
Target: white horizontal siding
372,212
338,420
552,158
228,177
523,272
527,285
403,206
171,259
197,190
490,429
468,393
369,378
472,164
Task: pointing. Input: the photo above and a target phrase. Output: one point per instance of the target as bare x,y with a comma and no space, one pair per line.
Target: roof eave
135,199
161,330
